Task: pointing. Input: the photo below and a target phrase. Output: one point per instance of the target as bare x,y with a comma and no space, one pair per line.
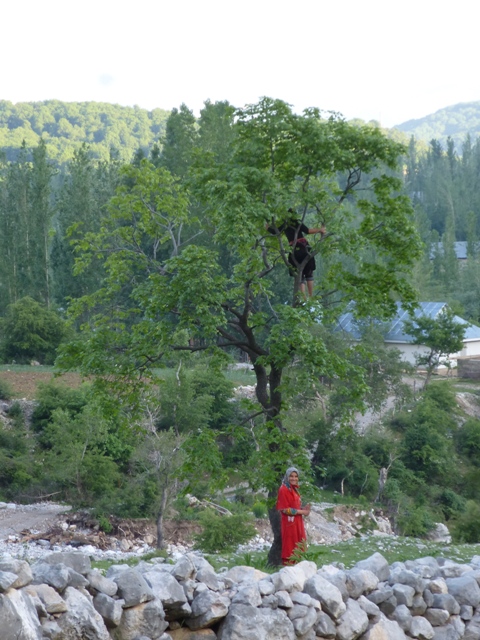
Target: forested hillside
455,122
65,126
174,262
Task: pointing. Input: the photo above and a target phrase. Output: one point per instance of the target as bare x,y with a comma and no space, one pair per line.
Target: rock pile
63,598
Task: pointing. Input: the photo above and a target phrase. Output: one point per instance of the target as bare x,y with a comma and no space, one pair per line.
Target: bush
259,510
223,533
467,526
29,332
6,391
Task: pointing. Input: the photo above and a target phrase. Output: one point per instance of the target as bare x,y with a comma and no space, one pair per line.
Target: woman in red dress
289,504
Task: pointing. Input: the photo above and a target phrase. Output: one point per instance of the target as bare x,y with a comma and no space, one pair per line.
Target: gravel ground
16,520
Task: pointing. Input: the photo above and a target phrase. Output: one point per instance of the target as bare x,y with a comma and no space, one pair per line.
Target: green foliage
66,125
259,509
29,331
223,533
468,440
467,526
52,396
442,335
6,390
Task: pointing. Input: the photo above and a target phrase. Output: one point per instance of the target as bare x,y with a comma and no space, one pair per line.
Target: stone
18,617
371,609
186,634
439,533
328,595
384,629
380,595
57,576
111,610
419,606
284,600
293,578
143,619
421,628
166,588
438,586
77,561
454,630
21,568
80,620
304,624
184,569
403,616
388,606
446,601
377,564
407,577
246,594
241,573
207,576
51,630
249,623
472,628
52,601
325,627
266,587
353,622
465,590
7,579
437,617
466,612
133,588
403,594
360,581
337,577
453,569
100,583
207,609
426,567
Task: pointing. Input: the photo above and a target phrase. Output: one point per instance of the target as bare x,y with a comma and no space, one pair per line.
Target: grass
344,554
24,368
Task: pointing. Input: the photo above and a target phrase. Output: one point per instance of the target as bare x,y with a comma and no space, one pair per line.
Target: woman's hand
305,511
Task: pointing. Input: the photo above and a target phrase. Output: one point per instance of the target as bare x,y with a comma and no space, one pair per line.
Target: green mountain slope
455,121
66,125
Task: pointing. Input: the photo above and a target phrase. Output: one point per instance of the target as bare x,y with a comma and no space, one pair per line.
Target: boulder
146,619
81,620
249,623
328,595
353,622
18,617
377,564
133,588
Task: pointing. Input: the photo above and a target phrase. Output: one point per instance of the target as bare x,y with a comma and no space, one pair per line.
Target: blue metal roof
394,330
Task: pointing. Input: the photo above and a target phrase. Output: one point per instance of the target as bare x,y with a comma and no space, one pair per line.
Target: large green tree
166,290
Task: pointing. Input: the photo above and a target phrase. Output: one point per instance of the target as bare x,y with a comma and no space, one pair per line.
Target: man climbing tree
214,281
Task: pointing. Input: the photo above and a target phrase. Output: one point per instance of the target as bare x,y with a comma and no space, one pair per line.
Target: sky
375,60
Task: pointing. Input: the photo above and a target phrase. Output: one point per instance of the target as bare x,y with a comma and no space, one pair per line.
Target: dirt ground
24,383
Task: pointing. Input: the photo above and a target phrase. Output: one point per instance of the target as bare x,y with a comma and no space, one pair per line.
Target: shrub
223,533
29,331
259,510
6,391
467,526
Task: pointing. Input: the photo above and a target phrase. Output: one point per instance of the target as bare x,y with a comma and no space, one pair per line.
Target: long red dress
292,527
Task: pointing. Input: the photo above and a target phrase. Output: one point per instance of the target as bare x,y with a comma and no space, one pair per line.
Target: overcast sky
371,59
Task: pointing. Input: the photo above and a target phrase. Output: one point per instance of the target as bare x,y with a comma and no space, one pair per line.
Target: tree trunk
161,511
275,554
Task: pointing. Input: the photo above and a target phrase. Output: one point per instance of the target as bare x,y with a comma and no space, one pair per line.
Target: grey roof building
395,335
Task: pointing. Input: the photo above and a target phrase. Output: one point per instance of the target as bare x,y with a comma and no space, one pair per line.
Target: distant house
395,336
460,249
